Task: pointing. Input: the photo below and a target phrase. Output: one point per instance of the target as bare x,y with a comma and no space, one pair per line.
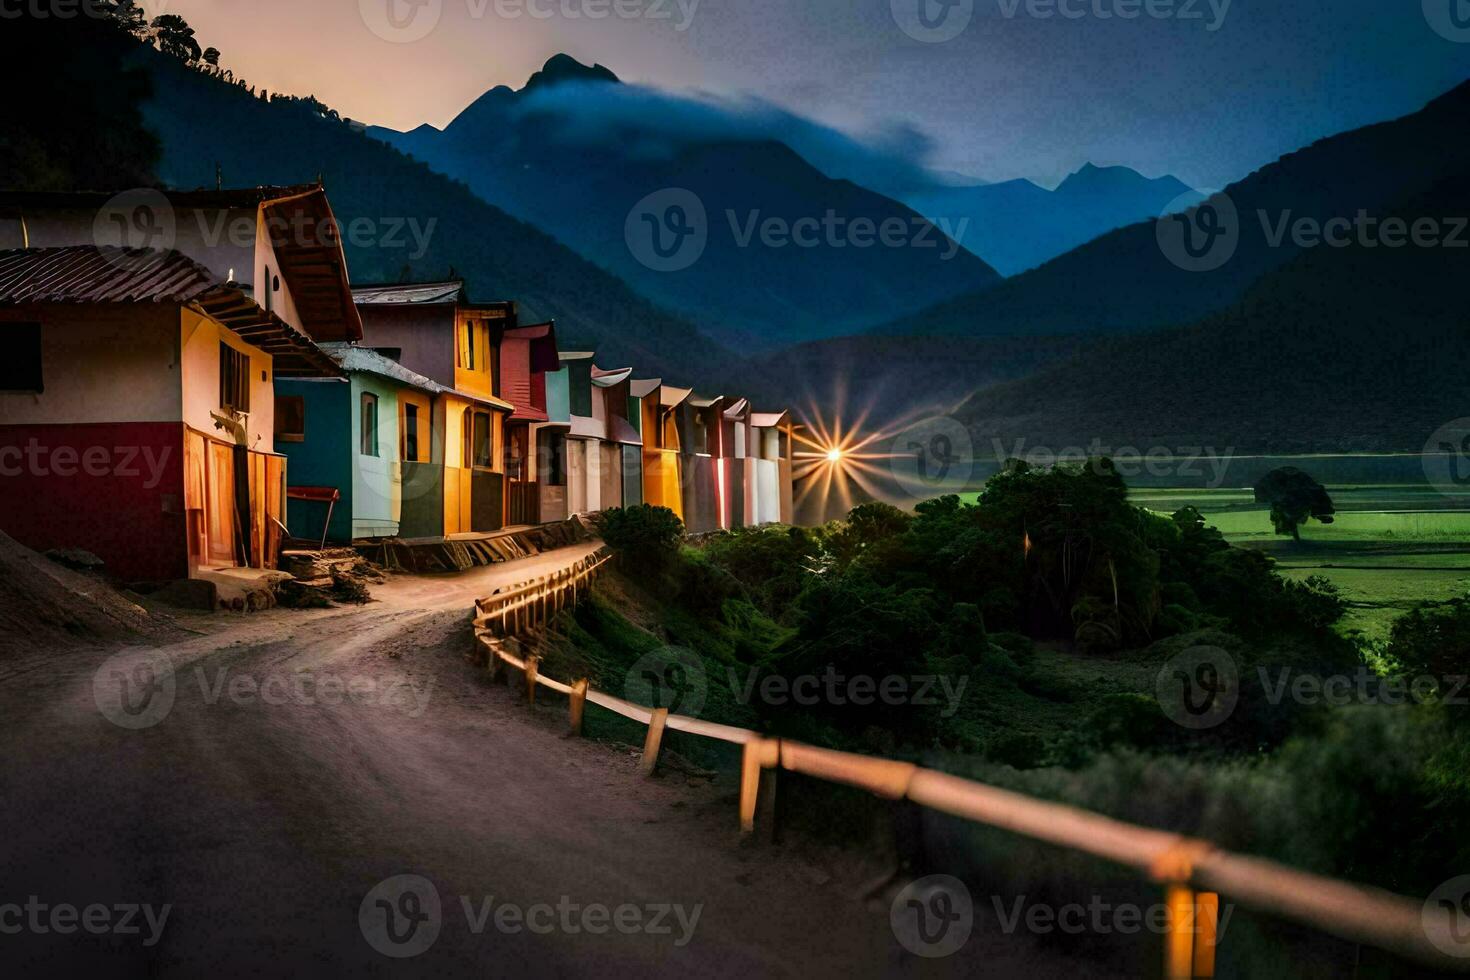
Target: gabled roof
542,337
299,223
610,379
87,274
369,361
576,355
671,397
737,408
702,401
411,294
769,420
642,389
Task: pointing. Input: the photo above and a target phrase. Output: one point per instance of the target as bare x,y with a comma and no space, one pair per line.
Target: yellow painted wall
478,380
199,364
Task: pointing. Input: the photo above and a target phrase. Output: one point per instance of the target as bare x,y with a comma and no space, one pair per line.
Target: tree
211,57
175,37
128,15
1295,497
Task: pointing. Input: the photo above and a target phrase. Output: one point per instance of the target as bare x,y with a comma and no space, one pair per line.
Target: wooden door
219,504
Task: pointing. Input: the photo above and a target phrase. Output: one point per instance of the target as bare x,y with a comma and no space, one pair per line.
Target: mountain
1341,349
1017,225
416,223
592,161
1124,281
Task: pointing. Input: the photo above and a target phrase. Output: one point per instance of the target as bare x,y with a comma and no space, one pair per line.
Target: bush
1433,640
1019,750
643,538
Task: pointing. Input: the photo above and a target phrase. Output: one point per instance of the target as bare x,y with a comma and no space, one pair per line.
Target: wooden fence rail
1186,867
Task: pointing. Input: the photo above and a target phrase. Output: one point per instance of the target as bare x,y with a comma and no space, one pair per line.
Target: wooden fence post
1179,941
532,661
578,704
1207,938
654,739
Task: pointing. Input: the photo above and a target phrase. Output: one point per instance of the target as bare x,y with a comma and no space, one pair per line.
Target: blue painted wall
324,459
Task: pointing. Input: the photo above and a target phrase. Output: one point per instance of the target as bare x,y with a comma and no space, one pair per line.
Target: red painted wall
115,489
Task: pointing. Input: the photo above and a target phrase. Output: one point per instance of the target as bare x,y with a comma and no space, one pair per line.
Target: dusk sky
1012,94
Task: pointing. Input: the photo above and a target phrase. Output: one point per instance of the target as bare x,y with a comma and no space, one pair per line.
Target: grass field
1392,546
1390,549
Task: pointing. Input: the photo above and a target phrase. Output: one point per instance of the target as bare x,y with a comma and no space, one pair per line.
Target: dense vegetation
1047,611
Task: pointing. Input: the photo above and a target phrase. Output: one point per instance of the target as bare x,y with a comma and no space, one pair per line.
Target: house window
234,379
411,433
469,340
478,446
369,424
20,368
290,418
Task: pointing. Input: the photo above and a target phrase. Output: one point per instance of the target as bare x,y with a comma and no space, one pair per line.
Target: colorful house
136,411
701,431
535,445
661,462
372,439
156,365
768,473
434,331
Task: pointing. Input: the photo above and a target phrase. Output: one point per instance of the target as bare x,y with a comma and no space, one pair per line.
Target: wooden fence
1194,873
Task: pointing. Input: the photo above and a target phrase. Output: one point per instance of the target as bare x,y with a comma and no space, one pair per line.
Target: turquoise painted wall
323,460
558,398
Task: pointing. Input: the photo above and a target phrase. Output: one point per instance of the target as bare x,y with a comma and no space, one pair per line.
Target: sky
1207,90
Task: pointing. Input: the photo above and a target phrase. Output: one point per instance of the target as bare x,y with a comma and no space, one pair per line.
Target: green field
1391,547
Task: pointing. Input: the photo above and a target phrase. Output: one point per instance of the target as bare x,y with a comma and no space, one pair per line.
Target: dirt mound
44,605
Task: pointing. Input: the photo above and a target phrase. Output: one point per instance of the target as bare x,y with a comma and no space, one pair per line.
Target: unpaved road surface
302,759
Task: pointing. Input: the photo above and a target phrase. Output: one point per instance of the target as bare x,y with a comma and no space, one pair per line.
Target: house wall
95,461
424,334
558,397
377,481
323,459
482,378
199,363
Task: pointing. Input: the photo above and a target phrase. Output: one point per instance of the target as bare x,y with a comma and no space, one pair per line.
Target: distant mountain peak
564,68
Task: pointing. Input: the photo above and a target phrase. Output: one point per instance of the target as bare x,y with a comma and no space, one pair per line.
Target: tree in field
175,37
1295,498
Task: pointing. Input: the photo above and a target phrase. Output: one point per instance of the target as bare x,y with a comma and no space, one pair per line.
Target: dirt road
302,759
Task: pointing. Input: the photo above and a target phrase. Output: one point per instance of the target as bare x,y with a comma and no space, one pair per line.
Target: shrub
644,538
1433,640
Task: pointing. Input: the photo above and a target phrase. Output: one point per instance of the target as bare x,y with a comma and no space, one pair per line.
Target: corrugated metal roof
88,274
410,294
236,197
369,361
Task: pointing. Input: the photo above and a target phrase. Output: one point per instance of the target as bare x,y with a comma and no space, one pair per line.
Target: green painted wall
376,480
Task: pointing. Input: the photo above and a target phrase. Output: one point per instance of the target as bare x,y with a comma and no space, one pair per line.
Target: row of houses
188,408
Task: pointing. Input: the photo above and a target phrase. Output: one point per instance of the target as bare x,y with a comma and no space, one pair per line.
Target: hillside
1123,281
1018,225
575,151
202,122
1353,349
